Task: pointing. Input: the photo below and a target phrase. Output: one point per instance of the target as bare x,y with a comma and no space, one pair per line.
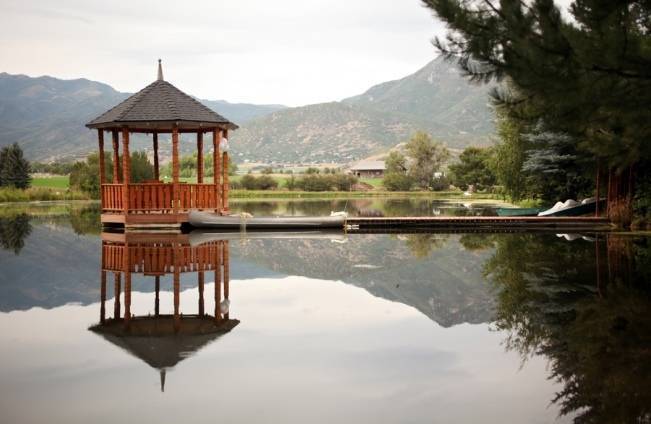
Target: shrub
397,182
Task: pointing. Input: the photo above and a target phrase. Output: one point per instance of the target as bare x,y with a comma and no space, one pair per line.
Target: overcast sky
292,52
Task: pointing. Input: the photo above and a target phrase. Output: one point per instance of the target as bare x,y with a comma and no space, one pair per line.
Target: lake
320,327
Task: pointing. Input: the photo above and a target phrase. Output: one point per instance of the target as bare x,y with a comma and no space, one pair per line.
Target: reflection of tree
86,220
477,241
422,245
593,324
13,231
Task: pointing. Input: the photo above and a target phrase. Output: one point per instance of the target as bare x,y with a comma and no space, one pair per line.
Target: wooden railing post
216,140
175,169
116,157
199,157
156,166
102,171
126,170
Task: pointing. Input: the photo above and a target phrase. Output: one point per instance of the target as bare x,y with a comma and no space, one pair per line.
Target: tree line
573,95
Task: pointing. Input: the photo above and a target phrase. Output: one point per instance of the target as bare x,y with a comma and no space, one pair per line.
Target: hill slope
436,99
47,115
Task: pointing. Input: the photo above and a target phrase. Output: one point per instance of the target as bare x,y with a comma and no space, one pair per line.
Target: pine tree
14,168
589,77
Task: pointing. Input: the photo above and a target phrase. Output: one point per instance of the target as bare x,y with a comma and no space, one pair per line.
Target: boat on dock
573,208
244,221
518,211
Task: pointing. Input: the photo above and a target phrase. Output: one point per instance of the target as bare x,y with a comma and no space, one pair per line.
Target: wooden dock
476,223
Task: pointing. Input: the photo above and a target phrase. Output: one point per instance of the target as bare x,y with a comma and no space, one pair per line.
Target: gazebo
161,108
163,340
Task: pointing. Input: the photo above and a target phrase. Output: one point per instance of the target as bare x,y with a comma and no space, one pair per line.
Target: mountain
47,115
436,99
326,132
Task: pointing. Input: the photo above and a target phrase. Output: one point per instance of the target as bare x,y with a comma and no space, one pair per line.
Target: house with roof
368,169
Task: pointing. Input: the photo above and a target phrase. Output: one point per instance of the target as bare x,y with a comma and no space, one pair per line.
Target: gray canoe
212,220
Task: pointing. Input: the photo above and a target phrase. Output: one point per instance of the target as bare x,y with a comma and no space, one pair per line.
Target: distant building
368,169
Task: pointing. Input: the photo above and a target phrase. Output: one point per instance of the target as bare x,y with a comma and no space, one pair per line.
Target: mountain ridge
46,116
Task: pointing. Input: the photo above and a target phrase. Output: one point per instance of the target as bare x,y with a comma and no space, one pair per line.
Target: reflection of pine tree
594,328
13,232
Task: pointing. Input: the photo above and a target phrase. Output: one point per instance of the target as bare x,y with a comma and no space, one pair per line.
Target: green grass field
58,181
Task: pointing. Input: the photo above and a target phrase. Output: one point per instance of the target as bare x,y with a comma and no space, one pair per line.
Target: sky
291,52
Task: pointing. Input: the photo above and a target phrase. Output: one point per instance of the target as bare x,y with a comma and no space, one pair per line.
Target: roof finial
160,71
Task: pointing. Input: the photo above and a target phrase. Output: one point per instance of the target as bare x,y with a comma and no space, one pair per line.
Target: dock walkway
477,223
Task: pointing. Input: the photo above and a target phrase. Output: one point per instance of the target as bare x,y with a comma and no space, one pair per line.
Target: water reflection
13,231
417,322
585,306
160,340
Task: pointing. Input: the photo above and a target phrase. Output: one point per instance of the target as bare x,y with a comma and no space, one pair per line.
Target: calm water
407,328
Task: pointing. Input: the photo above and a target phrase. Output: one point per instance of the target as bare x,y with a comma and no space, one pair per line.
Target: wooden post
598,188
126,171
156,166
200,157
218,281
127,287
216,139
157,302
200,278
177,287
175,169
102,171
102,312
116,157
116,293
227,274
225,178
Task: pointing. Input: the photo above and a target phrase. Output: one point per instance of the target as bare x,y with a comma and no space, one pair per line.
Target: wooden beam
175,170
126,169
156,166
216,158
227,274
177,287
102,171
117,290
102,312
218,281
200,158
127,285
597,194
157,304
200,284
116,157
225,178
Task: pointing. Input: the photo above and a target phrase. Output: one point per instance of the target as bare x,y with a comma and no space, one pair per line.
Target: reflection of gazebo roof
156,341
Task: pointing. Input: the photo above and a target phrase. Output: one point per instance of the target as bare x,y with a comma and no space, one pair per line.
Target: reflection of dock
163,340
476,223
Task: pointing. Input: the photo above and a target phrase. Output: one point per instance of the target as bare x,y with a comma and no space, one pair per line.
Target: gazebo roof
159,107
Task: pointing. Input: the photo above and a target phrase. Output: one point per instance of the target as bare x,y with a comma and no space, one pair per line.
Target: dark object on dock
518,211
587,207
211,220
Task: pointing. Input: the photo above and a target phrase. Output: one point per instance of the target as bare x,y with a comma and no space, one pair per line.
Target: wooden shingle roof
159,106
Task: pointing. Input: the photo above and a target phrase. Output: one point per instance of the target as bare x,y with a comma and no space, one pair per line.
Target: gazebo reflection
163,340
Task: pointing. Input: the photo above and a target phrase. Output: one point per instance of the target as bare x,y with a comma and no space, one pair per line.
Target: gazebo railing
158,197
112,200
159,259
